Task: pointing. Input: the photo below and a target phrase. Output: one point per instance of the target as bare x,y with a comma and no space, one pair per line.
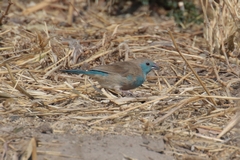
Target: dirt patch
71,146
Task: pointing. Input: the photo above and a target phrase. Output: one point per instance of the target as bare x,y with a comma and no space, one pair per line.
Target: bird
120,76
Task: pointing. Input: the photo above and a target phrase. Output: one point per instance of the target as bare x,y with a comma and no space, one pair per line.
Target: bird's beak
155,66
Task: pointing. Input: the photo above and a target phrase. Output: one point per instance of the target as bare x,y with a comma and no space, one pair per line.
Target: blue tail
90,72
75,71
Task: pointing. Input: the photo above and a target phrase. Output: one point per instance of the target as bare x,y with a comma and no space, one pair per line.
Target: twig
126,111
6,12
193,71
15,84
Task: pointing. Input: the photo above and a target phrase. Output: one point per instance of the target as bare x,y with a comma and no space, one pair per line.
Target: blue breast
137,81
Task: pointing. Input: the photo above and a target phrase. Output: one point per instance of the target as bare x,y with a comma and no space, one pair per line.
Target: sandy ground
61,146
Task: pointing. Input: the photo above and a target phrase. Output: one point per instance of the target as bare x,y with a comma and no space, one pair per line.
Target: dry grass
188,109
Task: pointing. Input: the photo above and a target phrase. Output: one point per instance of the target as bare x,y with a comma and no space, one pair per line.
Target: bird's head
148,65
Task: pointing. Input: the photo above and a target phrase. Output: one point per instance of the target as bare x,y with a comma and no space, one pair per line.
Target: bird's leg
120,93
115,92
97,89
123,93
127,93
107,93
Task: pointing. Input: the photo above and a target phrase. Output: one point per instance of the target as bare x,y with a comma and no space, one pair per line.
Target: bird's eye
147,64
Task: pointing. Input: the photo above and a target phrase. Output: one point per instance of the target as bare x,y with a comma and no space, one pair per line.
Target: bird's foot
122,93
97,89
127,94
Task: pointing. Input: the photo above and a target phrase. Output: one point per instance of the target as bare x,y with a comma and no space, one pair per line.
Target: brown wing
123,68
